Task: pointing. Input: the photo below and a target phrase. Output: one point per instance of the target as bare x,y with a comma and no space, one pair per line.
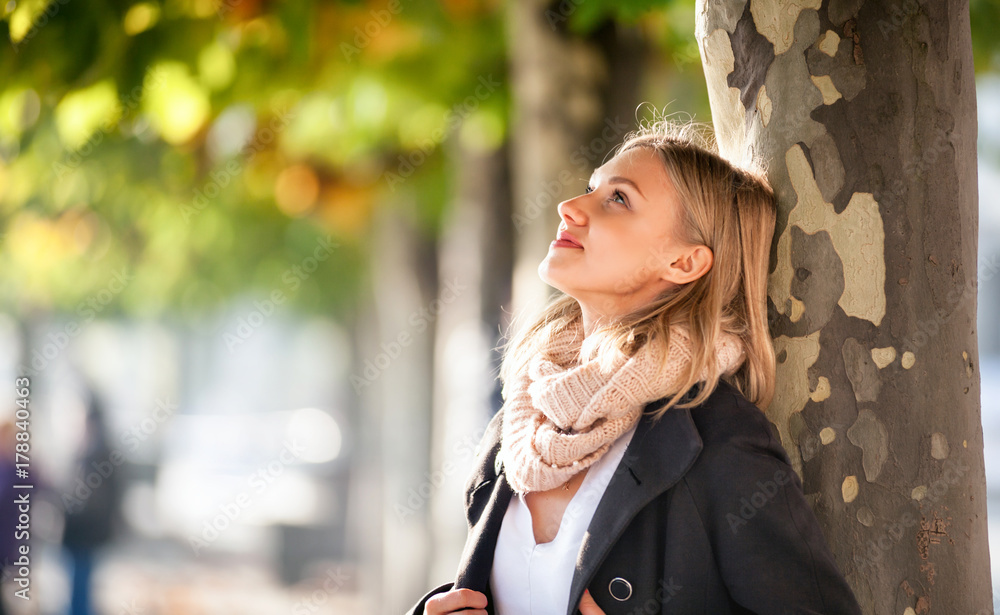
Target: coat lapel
658,455
477,558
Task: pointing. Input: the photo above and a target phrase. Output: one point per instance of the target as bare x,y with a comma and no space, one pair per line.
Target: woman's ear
689,264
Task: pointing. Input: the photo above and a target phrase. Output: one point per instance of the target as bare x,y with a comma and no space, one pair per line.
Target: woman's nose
570,211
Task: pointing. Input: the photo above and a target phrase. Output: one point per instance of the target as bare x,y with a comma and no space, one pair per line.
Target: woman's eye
617,196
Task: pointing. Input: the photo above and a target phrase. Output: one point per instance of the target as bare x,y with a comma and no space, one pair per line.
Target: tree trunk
866,115
393,376
474,264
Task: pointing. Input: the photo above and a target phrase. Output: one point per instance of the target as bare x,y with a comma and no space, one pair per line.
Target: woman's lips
566,240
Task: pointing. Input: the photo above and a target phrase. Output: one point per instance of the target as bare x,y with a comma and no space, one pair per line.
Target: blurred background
256,260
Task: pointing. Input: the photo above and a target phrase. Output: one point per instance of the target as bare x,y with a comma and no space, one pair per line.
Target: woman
631,469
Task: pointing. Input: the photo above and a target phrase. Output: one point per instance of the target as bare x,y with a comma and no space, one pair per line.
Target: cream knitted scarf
564,413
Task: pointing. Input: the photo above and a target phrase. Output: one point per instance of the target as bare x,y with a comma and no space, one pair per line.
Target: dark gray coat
704,515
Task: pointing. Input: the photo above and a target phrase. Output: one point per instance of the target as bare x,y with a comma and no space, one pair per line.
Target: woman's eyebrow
617,179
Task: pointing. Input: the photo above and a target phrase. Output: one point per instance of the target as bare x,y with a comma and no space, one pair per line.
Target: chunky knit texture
564,413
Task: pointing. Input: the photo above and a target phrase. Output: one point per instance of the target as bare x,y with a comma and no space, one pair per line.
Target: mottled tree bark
865,114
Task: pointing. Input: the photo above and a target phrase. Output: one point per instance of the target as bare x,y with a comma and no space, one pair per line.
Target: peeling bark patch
798,308
840,11
857,235
930,533
928,569
869,434
753,55
908,360
861,371
851,32
827,435
849,488
776,19
939,445
718,62
845,74
792,389
723,12
828,43
822,390
828,169
919,492
860,240
764,106
883,356
825,86
813,298
969,369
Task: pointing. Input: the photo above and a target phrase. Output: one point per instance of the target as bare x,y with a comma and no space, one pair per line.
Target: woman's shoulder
730,423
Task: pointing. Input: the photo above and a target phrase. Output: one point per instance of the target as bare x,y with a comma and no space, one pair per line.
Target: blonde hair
732,211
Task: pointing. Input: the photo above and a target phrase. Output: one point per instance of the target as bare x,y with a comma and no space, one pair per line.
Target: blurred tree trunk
866,114
475,264
393,375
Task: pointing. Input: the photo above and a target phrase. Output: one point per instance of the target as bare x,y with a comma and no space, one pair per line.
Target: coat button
620,589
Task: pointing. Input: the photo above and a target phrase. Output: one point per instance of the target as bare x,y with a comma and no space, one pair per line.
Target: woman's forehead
640,164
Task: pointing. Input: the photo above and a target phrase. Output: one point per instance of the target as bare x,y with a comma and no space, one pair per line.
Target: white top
534,579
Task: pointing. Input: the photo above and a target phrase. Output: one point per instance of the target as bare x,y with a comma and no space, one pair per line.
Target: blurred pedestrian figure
92,508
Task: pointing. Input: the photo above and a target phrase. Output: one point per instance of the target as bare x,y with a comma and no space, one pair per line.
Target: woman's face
626,226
